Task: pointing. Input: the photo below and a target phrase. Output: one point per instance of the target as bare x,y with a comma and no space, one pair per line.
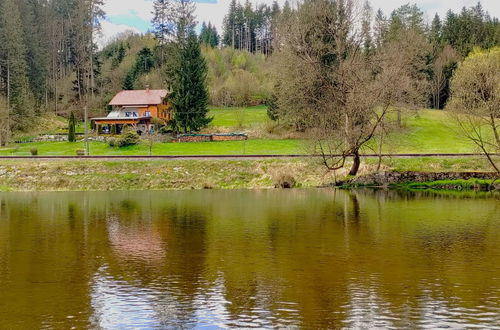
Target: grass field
238,117
429,131
264,147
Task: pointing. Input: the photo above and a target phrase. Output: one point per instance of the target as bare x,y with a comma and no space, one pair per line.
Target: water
251,259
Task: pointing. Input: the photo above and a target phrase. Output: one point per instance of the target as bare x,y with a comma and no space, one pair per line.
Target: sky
135,15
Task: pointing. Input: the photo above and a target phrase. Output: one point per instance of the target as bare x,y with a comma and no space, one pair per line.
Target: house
136,109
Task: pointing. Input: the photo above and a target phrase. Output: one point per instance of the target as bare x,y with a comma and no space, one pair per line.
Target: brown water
301,258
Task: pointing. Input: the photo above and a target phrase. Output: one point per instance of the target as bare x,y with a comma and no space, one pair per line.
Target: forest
50,61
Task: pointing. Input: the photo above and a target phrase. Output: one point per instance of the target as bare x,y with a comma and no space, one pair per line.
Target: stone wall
211,137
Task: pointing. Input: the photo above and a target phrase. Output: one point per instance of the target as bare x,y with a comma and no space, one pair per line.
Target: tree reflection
300,258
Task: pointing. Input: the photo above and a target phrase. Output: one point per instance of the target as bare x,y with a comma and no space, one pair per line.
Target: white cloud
140,8
110,30
215,12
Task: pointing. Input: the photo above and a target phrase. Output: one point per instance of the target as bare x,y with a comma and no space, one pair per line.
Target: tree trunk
495,131
356,164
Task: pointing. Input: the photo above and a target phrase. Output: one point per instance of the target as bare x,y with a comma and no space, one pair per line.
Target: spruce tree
129,82
189,89
13,54
72,128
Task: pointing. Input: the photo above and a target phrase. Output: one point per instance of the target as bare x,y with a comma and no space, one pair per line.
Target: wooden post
86,132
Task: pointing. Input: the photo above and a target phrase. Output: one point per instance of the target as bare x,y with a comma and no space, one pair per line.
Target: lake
313,258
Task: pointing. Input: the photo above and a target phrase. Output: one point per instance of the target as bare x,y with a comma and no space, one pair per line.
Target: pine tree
209,35
72,128
163,25
129,82
366,28
380,28
13,55
189,89
145,61
229,36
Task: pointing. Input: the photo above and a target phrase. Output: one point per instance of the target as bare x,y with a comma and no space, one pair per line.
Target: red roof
140,97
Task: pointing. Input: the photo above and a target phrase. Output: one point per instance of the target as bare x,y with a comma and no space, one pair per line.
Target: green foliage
13,54
129,82
144,63
128,138
112,142
237,78
472,27
72,128
209,35
272,108
34,151
119,55
250,28
189,87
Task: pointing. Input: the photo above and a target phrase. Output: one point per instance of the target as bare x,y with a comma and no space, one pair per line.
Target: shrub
80,152
34,151
112,142
129,138
285,181
72,128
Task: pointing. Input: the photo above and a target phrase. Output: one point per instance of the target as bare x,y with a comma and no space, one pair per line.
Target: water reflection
303,258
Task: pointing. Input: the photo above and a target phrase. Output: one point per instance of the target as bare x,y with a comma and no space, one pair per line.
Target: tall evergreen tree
72,128
189,89
366,28
209,35
380,28
13,56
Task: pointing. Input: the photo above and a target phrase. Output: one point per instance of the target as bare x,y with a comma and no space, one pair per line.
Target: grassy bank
90,175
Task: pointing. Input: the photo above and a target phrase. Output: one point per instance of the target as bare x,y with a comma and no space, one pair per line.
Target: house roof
139,97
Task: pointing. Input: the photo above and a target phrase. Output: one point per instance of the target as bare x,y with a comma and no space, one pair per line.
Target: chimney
147,88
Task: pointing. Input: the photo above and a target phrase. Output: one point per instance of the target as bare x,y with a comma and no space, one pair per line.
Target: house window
136,114
127,114
147,114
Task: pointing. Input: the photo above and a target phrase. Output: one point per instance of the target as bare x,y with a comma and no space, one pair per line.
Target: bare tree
475,101
331,88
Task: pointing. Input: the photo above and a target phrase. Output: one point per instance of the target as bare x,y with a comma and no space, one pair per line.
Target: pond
265,259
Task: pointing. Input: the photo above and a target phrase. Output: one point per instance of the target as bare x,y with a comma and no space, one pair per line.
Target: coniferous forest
50,61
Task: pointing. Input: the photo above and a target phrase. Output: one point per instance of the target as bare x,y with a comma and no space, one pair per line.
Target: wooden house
136,109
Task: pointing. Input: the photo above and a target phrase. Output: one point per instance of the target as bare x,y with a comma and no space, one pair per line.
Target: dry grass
86,175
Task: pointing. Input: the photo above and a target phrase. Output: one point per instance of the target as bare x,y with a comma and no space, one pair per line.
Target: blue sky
135,15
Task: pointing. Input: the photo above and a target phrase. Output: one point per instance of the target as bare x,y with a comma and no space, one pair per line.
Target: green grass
431,131
238,117
258,146
470,184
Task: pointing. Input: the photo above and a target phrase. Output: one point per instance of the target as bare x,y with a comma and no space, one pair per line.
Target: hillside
235,77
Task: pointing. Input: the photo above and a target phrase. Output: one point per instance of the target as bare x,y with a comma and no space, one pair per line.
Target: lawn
257,146
430,131
239,117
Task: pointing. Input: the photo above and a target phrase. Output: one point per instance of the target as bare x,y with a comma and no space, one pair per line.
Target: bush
80,152
129,138
112,142
34,151
286,181
72,128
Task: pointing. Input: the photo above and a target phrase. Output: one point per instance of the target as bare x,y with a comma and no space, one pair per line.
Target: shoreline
188,174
